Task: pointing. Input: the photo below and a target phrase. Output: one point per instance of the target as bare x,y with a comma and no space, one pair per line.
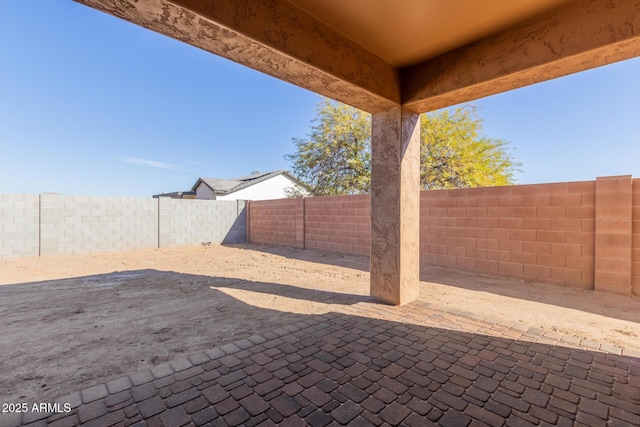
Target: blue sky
92,105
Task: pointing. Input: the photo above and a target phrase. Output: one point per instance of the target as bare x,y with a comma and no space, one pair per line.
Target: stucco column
395,205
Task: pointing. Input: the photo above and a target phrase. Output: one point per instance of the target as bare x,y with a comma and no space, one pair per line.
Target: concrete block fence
278,222
80,224
19,225
52,224
191,222
579,234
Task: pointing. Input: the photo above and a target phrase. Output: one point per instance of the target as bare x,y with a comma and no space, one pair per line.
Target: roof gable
228,186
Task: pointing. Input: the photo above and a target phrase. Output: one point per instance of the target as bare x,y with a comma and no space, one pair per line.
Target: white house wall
204,192
272,188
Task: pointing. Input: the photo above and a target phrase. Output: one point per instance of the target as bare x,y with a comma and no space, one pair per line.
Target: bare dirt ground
70,322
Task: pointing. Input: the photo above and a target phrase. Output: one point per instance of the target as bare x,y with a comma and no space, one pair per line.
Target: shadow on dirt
65,334
513,288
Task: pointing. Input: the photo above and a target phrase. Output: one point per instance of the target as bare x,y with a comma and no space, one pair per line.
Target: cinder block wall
277,222
635,230
193,222
337,223
541,232
545,232
237,233
19,225
88,224
52,224
613,234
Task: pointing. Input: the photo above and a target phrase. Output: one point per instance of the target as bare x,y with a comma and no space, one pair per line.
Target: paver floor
373,365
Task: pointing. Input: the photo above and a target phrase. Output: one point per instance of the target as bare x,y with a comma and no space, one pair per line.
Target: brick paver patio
374,365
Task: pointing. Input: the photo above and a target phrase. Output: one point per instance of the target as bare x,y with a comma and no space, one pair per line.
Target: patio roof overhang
423,54
396,59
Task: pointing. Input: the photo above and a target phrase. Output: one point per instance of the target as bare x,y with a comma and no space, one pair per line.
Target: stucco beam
579,36
273,37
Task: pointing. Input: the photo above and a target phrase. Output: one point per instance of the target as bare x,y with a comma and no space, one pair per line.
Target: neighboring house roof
228,186
176,194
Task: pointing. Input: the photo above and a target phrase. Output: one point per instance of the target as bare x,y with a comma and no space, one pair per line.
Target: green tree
335,157
454,154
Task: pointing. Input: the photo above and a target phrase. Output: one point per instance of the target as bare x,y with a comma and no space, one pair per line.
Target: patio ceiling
404,33
423,54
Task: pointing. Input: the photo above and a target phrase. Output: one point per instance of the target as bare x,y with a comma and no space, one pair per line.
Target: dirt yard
70,322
